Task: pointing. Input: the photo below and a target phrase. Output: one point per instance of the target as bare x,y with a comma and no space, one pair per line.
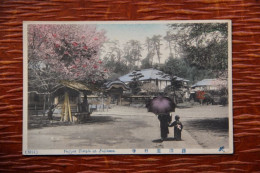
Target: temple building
114,90
157,77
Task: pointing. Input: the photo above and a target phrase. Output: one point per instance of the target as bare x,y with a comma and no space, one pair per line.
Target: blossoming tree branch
64,52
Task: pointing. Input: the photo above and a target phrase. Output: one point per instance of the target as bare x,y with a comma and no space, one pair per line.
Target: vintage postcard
127,87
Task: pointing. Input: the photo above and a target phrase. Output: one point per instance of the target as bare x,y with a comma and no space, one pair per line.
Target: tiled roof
147,75
116,84
210,82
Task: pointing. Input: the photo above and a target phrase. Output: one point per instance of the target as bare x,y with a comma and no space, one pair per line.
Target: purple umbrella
159,105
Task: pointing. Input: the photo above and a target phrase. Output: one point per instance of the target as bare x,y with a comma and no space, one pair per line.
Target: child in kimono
177,128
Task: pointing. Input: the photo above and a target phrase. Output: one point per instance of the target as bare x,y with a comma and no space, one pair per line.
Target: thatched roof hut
69,97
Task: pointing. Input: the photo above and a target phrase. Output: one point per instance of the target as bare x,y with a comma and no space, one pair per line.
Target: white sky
126,32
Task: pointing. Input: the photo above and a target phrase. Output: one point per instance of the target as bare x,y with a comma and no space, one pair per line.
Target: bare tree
115,52
132,52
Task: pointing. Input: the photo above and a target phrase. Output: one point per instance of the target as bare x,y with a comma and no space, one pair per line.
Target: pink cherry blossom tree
69,51
59,52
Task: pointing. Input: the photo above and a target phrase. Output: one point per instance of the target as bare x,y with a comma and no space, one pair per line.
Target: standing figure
84,104
165,120
177,128
50,112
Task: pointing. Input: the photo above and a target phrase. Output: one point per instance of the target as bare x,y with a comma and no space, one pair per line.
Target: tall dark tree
169,39
156,41
176,67
150,52
132,52
153,46
205,45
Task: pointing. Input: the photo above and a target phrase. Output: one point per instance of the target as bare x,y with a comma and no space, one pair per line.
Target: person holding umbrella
162,106
165,120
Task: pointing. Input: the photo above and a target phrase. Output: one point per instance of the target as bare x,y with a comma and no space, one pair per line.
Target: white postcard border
132,151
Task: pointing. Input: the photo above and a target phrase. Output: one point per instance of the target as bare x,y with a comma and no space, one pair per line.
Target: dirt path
208,125
127,127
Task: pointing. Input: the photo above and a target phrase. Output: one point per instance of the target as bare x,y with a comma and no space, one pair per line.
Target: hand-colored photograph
127,87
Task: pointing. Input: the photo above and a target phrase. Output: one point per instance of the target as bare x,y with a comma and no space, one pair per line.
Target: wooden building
69,99
210,85
154,77
114,90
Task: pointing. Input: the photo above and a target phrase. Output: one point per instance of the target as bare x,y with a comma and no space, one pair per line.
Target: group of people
165,123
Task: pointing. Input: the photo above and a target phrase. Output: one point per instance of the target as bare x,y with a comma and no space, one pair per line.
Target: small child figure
177,128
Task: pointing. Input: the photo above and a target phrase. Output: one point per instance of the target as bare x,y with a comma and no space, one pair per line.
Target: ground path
127,127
